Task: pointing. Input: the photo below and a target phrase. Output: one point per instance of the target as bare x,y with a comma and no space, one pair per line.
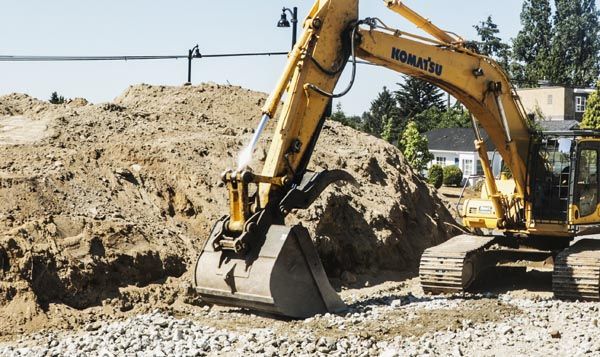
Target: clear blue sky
136,27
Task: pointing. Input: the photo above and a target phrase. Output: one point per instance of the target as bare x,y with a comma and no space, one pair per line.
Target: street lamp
193,53
283,22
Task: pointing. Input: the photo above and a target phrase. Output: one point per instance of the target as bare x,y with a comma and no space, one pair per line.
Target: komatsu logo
424,64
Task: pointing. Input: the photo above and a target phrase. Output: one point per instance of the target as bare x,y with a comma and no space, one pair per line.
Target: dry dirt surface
103,208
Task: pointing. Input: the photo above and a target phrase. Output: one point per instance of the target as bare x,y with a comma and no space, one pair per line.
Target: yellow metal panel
593,218
421,22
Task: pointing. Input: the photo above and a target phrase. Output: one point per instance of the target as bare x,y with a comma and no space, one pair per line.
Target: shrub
436,176
452,176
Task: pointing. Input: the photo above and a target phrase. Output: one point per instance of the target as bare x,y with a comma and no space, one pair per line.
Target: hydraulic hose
353,76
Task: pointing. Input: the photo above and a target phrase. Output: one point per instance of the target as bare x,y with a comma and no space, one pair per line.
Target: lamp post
192,53
283,22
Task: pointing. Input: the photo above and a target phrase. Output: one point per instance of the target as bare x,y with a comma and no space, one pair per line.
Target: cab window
587,182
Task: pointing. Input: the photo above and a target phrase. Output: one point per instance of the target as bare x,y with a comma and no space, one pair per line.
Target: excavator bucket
282,275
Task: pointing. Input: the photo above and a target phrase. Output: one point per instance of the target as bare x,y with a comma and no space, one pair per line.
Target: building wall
556,103
551,101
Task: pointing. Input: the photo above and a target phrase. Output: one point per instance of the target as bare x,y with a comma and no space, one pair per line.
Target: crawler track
576,273
452,266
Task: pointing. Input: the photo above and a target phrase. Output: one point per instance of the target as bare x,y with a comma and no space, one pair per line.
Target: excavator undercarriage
452,267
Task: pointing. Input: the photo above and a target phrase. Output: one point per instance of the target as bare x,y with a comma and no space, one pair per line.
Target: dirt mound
95,199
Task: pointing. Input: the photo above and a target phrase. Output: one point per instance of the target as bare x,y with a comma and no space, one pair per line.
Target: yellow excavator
252,259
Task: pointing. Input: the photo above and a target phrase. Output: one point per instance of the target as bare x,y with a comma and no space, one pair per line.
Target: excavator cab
550,177
564,178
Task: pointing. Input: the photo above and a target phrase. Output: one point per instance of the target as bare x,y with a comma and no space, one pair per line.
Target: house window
580,103
467,167
440,161
456,161
550,99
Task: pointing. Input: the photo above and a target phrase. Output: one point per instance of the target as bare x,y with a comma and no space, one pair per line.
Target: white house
455,146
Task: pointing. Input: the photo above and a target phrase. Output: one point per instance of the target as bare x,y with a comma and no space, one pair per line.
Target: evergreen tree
576,43
490,44
434,118
351,121
591,117
382,108
415,147
532,45
56,99
338,115
455,117
416,96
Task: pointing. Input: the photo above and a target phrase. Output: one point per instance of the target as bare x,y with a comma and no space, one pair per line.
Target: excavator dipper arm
251,258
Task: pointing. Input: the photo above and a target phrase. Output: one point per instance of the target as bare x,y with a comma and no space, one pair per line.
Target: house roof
456,139
461,139
558,125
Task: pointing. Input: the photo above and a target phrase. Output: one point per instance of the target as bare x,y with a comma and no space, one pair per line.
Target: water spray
245,155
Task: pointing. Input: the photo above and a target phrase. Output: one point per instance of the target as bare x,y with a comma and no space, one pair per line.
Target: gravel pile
388,324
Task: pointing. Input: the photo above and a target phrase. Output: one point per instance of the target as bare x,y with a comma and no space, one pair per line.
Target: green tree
382,109
576,43
435,118
351,121
56,99
416,96
388,128
533,43
455,117
591,117
490,44
415,147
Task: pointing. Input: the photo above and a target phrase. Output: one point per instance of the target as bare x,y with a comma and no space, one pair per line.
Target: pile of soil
98,201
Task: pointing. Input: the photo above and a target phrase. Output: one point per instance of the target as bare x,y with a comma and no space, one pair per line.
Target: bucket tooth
281,275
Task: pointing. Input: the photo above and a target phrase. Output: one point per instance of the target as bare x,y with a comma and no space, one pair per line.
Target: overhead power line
82,58
5,58
192,54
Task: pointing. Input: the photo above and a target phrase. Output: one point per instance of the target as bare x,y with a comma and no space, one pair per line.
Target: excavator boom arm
332,32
